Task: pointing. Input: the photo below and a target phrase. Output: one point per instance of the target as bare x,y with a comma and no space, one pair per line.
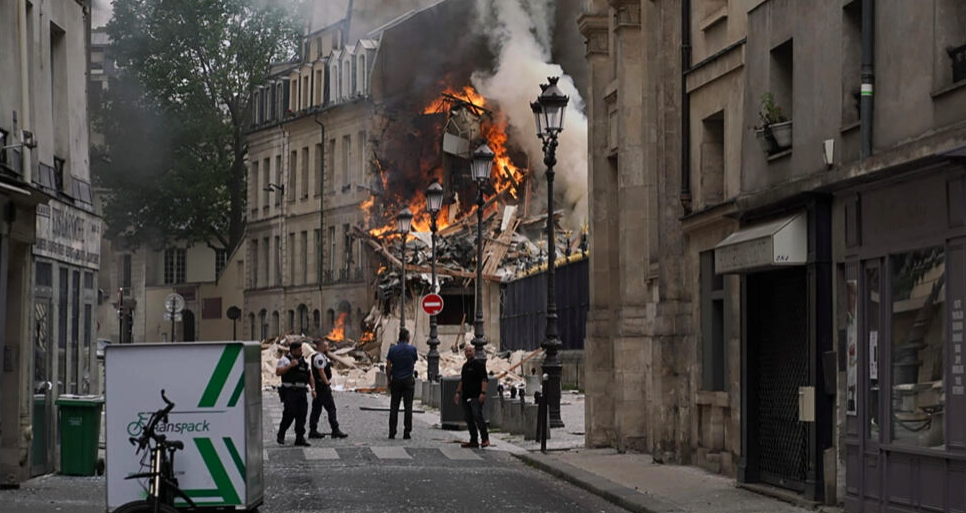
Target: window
346,249
949,65
305,172
329,178
278,261
291,258
174,265
303,319
291,320
305,92
917,283
75,328
304,255
714,329
267,178
851,61
331,248
346,162
317,322
255,188
781,77
278,180
44,274
126,271
252,331
221,258
266,279
712,159
293,157
263,323
355,77
64,300
363,85
318,255
60,183
320,173
361,142
84,362
275,327
254,266
319,85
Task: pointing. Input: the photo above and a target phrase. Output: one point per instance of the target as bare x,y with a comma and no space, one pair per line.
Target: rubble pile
355,368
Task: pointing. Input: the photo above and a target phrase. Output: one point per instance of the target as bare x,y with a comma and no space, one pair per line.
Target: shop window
75,325
714,364
174,265
63,298
917,282
873,330
44,274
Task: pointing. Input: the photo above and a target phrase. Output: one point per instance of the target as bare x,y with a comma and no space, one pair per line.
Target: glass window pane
872,305
917,282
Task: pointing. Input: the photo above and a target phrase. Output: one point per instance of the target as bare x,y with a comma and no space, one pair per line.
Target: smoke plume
519,33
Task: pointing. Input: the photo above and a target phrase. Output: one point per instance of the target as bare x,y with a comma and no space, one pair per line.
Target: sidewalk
632,480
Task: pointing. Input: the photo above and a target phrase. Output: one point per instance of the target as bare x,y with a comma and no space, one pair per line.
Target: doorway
43,410
188,325
777,314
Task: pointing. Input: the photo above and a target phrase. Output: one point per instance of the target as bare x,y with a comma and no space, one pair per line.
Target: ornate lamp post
480,167
434,201
404,221
548,112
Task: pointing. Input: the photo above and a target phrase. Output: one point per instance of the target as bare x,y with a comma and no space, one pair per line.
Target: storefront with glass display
901,284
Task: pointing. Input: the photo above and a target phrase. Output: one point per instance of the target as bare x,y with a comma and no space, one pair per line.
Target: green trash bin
80,430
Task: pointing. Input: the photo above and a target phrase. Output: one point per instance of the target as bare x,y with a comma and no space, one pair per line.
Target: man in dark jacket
400,368
471,394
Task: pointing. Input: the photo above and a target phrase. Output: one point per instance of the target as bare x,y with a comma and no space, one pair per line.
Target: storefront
66,259
901,257
784,259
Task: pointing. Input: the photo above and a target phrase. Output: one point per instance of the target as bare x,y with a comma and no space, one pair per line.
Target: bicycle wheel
144,507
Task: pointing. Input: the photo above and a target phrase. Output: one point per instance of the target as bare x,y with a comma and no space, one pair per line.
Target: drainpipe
685,107
868,77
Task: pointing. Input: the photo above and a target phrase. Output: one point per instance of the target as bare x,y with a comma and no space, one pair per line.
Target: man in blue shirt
400,364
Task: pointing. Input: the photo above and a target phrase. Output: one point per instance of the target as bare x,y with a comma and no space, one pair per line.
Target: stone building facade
817,332
48,262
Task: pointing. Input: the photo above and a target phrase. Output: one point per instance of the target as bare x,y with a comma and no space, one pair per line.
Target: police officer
296,381
322,374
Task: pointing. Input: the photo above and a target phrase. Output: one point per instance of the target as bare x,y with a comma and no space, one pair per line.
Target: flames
338,332
399,187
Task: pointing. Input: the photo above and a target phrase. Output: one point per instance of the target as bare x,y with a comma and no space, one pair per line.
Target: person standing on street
322,374
400,368
296,381
471,394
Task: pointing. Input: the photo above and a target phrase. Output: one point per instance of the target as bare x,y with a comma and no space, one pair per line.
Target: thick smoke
520,33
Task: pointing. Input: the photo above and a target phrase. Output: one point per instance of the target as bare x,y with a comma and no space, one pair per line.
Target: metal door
779,336
43,409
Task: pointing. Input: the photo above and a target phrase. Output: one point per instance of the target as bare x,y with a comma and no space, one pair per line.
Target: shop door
43,410
778,341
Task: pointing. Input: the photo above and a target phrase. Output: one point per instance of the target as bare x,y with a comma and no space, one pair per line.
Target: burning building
395,108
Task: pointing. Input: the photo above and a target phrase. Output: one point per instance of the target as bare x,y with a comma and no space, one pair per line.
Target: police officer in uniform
296,382
322,374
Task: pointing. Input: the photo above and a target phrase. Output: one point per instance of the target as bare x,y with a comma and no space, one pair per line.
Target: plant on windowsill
775,132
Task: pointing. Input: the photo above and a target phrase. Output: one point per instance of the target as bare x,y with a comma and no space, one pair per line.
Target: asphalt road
365,472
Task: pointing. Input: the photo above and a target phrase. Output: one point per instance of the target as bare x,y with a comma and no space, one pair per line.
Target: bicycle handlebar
148,434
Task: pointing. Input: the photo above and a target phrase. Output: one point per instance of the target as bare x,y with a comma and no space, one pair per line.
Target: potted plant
775,132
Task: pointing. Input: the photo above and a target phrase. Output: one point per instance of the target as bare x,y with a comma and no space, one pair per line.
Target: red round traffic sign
432,304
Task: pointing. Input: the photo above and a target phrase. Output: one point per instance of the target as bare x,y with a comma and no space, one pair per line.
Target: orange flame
338,332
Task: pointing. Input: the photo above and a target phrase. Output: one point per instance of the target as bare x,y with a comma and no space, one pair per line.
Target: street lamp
480,167
404,221
548,113
434,201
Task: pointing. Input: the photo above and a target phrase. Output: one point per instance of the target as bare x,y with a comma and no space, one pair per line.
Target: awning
783,242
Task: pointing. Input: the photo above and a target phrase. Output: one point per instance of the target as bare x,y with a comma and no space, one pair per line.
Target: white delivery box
216,388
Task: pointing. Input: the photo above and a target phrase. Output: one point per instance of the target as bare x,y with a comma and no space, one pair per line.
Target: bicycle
162,485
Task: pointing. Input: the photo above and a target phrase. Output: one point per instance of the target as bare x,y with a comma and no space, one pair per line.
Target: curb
620,495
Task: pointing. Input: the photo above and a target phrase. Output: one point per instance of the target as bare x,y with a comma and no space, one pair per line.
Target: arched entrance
188,326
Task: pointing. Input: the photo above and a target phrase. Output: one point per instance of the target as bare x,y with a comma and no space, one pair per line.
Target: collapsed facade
802,243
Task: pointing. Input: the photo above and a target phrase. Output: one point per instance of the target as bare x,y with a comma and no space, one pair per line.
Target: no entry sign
432,304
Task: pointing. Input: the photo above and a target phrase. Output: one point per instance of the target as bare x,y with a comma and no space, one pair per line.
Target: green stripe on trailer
218,473
239,464
239,388
220,376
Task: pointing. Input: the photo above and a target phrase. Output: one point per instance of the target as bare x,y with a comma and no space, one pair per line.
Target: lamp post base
553,369
432,361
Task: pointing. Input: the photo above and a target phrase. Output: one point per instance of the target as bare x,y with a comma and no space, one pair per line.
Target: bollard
546,414
540,420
